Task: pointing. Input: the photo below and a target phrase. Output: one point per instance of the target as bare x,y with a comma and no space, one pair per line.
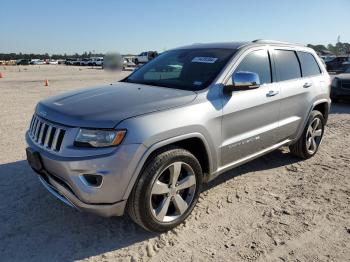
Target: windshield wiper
152,83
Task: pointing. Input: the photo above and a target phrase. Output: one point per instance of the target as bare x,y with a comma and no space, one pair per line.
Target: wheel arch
189,142
321,105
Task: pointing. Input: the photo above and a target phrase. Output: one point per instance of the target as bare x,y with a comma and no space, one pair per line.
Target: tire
307,145
153,203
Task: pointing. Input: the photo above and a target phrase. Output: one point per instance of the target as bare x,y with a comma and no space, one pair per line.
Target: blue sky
133,26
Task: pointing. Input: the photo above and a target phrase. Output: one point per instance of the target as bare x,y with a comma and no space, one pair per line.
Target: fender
160,144
301,130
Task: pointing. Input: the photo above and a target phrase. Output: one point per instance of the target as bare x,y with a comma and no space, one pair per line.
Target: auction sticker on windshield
204,59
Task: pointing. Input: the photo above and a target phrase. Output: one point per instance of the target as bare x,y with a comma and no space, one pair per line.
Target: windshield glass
188,69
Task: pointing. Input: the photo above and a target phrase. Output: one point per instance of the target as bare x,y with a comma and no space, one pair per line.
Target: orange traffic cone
1,76
46,83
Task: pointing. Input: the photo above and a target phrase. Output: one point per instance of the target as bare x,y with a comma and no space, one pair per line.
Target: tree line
338,49
17,56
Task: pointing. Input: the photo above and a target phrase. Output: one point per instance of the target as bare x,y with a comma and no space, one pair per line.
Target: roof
228,45
234,45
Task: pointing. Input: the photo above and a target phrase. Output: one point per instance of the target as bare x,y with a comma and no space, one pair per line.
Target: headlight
99,138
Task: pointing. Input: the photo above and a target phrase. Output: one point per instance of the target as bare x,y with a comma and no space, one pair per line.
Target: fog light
93,180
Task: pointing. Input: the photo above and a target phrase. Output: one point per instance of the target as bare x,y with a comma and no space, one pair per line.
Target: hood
343,76
106,106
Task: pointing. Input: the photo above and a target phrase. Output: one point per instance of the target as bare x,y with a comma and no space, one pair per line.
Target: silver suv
147,143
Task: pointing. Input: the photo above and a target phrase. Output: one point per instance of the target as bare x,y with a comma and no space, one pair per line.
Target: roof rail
265,41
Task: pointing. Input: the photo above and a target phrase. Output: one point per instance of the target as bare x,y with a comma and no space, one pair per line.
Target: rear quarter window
309,66
287,65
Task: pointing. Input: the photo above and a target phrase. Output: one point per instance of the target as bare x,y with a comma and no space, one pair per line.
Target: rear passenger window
257,62
309,66
287,65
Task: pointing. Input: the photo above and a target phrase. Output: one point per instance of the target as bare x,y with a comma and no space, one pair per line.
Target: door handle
272,93
307,85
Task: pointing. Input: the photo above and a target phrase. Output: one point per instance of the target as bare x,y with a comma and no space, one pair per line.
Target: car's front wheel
167,190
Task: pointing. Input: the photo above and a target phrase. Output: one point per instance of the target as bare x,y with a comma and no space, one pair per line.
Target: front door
250,117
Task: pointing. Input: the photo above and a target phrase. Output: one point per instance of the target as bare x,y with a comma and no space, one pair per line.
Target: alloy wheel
314,136
172,192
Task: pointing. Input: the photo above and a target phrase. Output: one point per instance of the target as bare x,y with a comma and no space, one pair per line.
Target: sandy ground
276,208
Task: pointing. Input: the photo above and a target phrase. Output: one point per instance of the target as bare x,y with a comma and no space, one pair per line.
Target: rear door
295,92
250,117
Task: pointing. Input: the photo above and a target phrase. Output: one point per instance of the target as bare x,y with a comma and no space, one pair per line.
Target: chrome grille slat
34,126
31,124
41,132
37,131
48,134
45,134
31,128
55,138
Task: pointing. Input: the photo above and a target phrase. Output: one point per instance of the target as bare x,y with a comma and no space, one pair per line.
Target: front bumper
67,197
63,177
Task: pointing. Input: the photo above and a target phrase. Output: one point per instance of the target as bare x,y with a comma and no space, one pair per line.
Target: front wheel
167,190
308,144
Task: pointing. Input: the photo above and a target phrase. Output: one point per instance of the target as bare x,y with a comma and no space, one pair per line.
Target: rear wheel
167,190
308,144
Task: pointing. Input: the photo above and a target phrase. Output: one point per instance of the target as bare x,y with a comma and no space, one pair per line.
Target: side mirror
243,80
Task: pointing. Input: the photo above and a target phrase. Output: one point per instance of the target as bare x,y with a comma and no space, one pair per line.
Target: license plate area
34,159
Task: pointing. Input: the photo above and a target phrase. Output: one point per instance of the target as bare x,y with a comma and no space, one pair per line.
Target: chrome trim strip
54,192
243,160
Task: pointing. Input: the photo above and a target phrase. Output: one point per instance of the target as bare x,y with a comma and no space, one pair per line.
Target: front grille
345,84
46,134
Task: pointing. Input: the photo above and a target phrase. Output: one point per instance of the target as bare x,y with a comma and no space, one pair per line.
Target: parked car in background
128,63
327,58
37,62
96,61
69,61
77,61
145,57
85,62
22,62
341,86
53,62
339,64
146,144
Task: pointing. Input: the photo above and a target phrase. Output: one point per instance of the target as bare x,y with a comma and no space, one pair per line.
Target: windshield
187,69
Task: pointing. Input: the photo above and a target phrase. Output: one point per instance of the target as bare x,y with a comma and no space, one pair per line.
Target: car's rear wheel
308,144
166,191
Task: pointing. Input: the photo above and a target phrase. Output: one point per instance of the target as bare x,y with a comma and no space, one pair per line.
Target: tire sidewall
158,166
313,115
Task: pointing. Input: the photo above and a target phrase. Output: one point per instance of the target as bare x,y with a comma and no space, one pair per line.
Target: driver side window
256,62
